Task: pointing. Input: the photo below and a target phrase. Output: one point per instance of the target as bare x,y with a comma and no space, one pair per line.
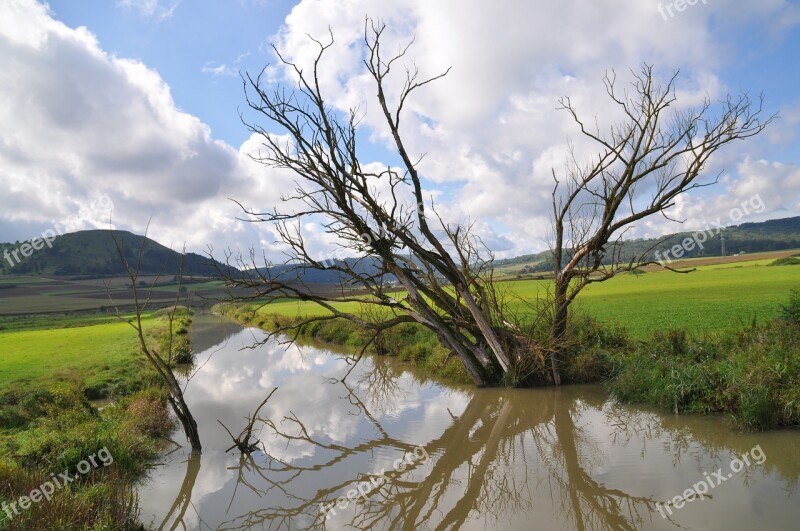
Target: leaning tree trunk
175,393
183,413
473,358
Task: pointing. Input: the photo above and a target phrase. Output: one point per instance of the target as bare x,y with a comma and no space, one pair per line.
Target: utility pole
722,240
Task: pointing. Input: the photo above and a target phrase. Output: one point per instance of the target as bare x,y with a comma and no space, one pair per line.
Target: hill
773,235
310,276
93,253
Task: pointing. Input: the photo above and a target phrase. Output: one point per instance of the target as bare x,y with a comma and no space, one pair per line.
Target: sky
134,106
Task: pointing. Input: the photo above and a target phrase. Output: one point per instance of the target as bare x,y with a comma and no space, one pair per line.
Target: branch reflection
485,465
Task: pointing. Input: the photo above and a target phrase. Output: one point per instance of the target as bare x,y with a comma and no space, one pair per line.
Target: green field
711,298
714,297
99,357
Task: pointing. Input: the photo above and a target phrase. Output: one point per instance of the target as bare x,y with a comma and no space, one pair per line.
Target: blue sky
186,46
139,100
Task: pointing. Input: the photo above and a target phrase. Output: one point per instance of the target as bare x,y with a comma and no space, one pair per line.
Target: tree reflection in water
509,459
479,465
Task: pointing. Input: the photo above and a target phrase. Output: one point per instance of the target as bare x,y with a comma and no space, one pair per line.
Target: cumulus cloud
491,127
79,122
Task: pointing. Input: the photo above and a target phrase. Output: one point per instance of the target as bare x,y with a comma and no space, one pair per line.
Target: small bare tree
443,271
643,164
161,362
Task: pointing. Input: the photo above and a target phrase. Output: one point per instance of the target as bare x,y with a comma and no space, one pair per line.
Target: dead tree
443,271
161,362
655,154
245,442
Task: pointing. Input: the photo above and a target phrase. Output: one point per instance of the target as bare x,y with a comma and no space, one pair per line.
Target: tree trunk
466,353
187,422
558,328
485,327
175,392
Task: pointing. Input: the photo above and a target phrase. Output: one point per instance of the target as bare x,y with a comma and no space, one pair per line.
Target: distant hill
773,235
308,275
92,253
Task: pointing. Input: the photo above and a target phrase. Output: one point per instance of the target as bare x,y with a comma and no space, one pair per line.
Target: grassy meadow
714,297
50,369
101,355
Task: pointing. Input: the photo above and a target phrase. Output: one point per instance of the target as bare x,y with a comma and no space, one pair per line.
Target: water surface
433,456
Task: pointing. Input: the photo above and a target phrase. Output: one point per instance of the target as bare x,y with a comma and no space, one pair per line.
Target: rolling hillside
773,235
93,253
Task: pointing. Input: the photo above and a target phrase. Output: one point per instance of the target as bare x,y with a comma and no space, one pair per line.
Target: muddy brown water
413,453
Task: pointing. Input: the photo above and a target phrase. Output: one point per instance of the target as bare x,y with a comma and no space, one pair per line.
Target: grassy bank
408,342
48,425
751,374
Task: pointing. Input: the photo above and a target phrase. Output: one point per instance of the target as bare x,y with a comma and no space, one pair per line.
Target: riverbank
751,374
49,426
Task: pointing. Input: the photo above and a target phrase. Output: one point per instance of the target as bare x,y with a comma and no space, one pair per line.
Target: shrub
791,312
786,261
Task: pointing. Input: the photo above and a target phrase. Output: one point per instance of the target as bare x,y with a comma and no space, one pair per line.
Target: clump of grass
61,429
589,350
147,413
752,375
71,429
104,500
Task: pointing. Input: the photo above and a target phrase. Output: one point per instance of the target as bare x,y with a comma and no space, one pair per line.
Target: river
414,453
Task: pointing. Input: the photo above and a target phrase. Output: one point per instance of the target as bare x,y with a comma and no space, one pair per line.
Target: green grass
752,374
103,358
705,300
712,298
37,354
47,422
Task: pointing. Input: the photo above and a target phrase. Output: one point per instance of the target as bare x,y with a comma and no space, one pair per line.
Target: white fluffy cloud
79,122
491,127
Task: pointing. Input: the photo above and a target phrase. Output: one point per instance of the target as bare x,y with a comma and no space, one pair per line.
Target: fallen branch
243,441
